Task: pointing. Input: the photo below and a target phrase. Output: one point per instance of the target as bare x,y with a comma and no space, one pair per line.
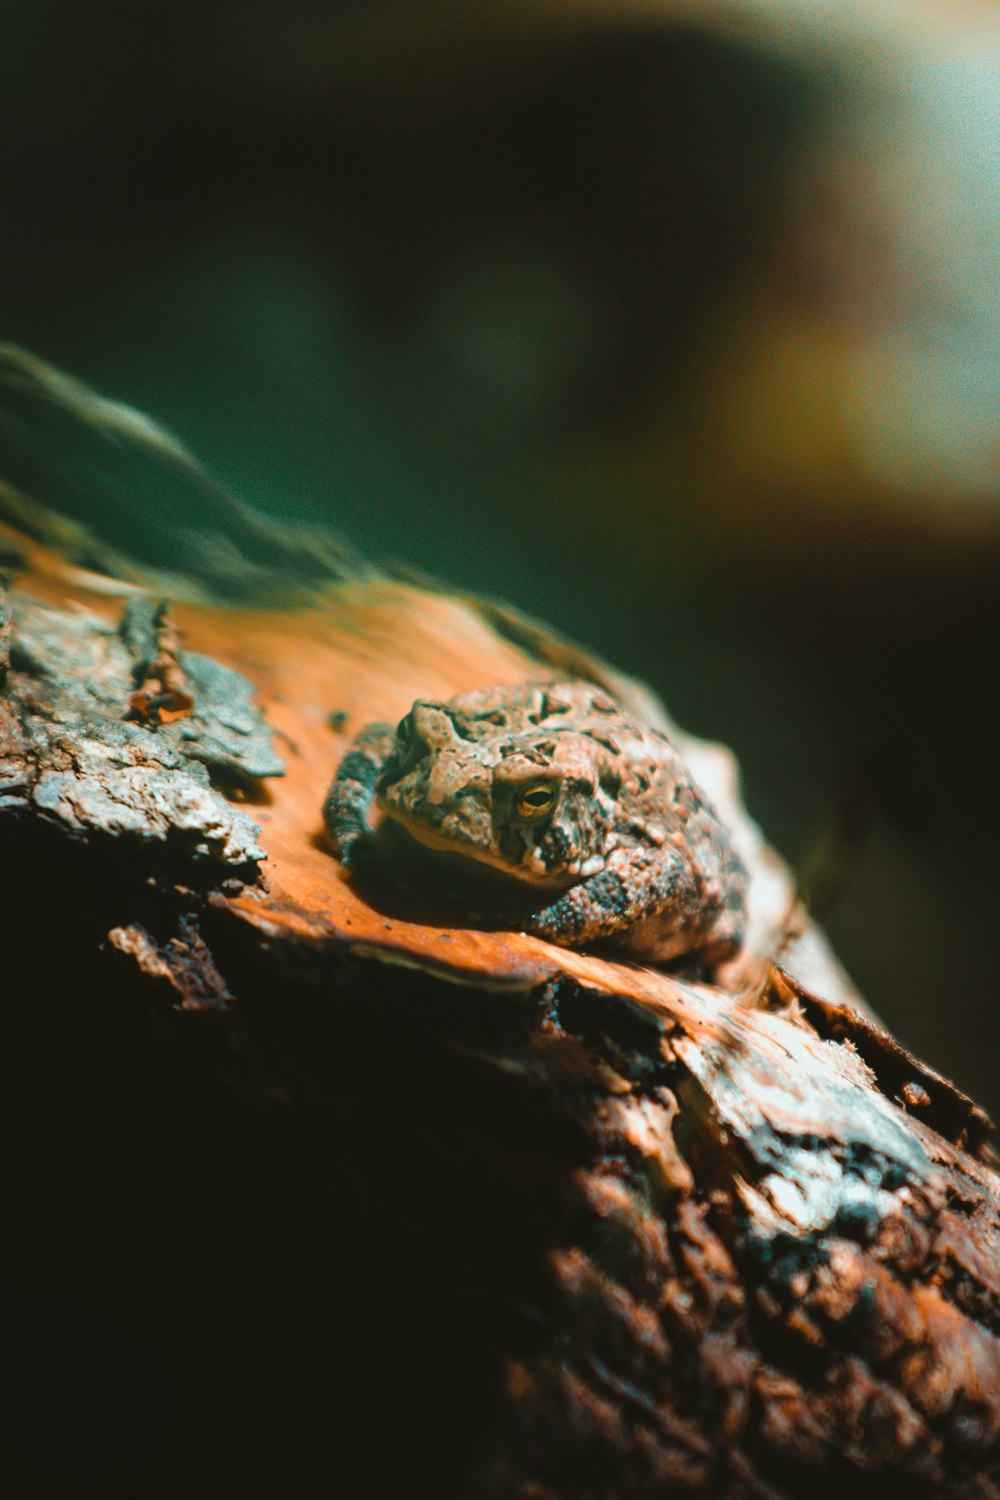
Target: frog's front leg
345,810
653,902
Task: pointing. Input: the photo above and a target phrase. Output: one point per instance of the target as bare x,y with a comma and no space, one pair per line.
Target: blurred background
672,323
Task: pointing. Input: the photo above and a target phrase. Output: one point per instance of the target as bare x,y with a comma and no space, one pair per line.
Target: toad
584,815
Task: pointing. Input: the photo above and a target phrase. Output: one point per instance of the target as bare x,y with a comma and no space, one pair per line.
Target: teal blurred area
673,324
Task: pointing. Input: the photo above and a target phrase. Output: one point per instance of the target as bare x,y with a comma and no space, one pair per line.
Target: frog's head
530,796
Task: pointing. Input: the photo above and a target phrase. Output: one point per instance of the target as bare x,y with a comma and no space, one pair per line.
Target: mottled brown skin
590,814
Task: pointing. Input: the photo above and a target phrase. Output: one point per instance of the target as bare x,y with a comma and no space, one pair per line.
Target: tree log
417,1204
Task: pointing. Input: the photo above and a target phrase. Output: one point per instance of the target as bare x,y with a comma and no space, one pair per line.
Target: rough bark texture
423,1205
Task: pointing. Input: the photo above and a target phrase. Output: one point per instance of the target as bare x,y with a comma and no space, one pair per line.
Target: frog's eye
536,800
404,731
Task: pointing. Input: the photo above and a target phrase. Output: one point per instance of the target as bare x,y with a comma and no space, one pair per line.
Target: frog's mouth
451,851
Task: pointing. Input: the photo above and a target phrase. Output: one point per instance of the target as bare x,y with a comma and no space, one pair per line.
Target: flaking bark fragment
68,756
161,693
183,962
223,727
109,780
6,619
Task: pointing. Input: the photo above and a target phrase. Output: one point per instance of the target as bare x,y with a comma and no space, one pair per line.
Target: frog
576,814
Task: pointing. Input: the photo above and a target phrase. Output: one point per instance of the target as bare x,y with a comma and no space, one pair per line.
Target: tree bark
416,1204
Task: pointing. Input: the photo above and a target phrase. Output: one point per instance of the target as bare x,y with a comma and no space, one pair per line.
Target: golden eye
535,801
